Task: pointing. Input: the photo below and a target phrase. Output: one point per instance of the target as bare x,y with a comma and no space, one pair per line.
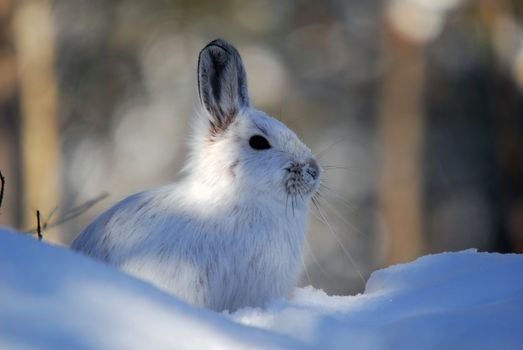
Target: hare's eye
259,142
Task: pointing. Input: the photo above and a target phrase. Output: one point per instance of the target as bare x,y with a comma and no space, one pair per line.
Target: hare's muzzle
313,169
303,178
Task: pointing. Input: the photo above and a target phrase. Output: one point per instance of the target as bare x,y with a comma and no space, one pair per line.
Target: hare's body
231,233
213,258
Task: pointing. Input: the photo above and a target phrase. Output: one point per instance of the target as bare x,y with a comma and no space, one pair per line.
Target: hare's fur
229,234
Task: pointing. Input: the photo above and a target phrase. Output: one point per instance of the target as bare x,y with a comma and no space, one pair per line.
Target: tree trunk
34,43
400,126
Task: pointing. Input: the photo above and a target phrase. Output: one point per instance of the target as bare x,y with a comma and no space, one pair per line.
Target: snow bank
465,300
53,298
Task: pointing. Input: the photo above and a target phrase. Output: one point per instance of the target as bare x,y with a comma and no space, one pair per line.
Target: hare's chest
250,272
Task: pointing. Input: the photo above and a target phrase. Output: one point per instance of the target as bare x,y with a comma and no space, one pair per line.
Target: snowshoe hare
230,234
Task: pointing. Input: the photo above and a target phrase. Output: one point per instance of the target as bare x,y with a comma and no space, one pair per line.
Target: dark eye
259,142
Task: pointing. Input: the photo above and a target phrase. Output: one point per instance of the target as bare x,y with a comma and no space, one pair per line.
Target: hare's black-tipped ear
222,83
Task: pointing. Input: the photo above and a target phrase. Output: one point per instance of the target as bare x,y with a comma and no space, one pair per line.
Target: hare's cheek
233,169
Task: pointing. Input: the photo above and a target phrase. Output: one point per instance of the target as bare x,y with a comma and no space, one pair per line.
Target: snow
52,298
465,300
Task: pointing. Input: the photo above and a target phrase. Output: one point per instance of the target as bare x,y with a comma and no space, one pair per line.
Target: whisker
316,204
301,196
305,269
322,185
315,200
334,167
338,197
51,214
339,215
295,119
286,204
280,116
319,154
322,270
323,219
293,202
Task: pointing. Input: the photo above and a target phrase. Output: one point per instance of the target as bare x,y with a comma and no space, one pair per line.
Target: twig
2,180
79,210
39,228
71,214
48,218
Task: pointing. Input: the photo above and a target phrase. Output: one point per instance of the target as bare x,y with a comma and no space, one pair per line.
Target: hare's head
239,147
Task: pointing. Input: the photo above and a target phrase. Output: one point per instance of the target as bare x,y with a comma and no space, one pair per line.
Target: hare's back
125,227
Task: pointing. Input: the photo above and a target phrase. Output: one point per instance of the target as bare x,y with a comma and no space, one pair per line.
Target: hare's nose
314,168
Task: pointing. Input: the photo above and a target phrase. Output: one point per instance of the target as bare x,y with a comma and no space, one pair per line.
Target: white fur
229,234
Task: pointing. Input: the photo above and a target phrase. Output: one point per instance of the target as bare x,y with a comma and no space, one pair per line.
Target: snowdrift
53,298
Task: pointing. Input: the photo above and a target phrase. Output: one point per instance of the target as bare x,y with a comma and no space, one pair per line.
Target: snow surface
53,298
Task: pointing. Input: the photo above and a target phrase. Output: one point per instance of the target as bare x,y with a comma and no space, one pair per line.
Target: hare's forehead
278,133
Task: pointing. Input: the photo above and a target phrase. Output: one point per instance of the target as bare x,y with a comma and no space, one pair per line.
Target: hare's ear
222,83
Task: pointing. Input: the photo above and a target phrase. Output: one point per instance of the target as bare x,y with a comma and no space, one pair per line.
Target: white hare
231,233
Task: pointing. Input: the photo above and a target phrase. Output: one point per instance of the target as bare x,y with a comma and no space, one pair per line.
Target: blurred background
414,107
